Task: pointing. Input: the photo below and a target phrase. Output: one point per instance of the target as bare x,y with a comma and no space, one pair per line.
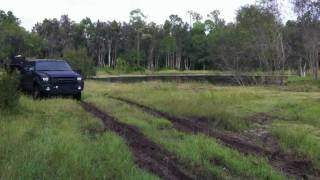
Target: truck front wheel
36,93
77,96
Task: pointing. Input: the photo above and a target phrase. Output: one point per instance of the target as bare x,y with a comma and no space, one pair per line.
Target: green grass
193,100
306,84
106,71
110,71
197,150
56,139
231,108
1,72
301,138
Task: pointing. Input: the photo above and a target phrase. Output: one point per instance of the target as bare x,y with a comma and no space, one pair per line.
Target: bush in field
122,65
79,60
9,93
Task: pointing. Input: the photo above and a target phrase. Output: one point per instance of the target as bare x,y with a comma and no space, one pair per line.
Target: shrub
124,66
9,93
79,60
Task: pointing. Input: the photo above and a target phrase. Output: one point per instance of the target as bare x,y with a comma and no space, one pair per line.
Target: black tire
36,93
77,96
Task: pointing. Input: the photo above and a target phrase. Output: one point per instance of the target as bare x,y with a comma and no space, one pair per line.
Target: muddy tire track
235,141
148,155
290,164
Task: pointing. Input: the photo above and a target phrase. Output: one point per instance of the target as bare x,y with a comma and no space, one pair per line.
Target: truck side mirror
28,69
78,71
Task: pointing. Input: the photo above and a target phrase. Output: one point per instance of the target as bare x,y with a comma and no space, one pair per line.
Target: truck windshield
52,66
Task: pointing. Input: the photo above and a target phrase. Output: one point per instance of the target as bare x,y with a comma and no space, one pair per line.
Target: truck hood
55,74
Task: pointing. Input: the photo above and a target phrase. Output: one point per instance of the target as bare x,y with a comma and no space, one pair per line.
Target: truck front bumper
62,89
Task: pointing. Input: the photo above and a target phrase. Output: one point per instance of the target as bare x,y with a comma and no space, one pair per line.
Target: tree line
258,40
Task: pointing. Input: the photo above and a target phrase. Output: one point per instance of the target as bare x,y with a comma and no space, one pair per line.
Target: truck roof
45,60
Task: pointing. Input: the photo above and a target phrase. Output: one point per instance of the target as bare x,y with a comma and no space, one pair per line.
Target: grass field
296,126
109,71
196,150
58,139
302,84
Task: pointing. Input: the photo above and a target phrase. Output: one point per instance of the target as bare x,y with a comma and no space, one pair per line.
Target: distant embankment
215,79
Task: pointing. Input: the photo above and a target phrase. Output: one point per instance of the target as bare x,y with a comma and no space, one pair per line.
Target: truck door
27,76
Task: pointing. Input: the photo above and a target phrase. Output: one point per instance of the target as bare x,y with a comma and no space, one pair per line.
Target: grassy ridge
56,139
231,108
105,71
200,151
110,71
306,84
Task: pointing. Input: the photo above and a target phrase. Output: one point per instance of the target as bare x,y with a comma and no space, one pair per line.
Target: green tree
12,35
137,20
262,37
308,13
198,51
79,60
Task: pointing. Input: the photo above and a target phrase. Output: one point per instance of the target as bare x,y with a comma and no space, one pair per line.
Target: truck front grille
65,80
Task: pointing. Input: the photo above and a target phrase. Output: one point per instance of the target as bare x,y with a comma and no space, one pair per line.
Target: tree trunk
305,70
178,59
283,55
109,52
138,49
168,66
115,57
150,57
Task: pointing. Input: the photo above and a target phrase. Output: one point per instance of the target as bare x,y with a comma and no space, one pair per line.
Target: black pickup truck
46,77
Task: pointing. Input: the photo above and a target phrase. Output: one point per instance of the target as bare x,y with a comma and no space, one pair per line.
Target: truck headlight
79,78
45,79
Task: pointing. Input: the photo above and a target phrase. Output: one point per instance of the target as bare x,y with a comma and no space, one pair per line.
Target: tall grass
9,94
56,139
204,153
306,84
129,71
232,108
304,139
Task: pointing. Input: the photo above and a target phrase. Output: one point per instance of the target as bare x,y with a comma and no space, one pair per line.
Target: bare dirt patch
261,133
288,163
262,118
148,155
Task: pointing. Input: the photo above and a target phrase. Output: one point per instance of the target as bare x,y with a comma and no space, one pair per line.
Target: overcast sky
32,11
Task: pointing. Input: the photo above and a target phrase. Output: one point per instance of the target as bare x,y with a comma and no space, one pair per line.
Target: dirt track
287,163
148,155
